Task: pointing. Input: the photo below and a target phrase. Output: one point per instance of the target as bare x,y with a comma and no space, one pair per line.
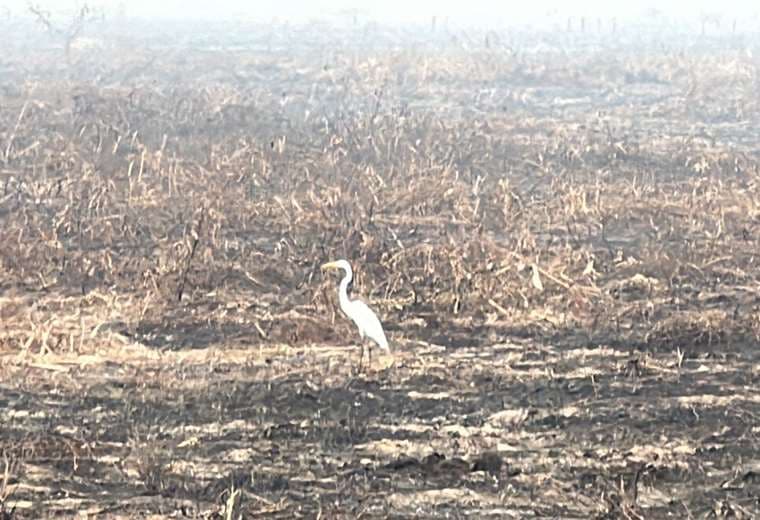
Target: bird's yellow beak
330,265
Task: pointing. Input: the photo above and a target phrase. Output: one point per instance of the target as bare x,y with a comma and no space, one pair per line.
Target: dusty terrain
560,232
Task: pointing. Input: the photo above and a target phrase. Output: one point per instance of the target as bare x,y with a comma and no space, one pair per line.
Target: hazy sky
469,11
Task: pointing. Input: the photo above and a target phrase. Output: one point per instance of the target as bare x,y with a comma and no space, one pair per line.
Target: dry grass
562,246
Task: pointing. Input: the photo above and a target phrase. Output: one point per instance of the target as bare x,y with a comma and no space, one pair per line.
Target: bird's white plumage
368,323
365,319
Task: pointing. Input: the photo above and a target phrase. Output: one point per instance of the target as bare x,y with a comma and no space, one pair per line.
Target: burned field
559,233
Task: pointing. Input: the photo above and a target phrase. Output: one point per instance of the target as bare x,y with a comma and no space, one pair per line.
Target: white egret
365,319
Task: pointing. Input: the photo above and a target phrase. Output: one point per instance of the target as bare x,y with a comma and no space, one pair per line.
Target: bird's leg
361,356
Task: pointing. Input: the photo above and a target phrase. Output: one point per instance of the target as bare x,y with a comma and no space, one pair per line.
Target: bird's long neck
343,289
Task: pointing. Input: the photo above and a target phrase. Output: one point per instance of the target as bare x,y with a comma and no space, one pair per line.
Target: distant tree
69,32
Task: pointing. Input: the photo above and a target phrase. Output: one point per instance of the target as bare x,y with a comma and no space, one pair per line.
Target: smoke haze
473,12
